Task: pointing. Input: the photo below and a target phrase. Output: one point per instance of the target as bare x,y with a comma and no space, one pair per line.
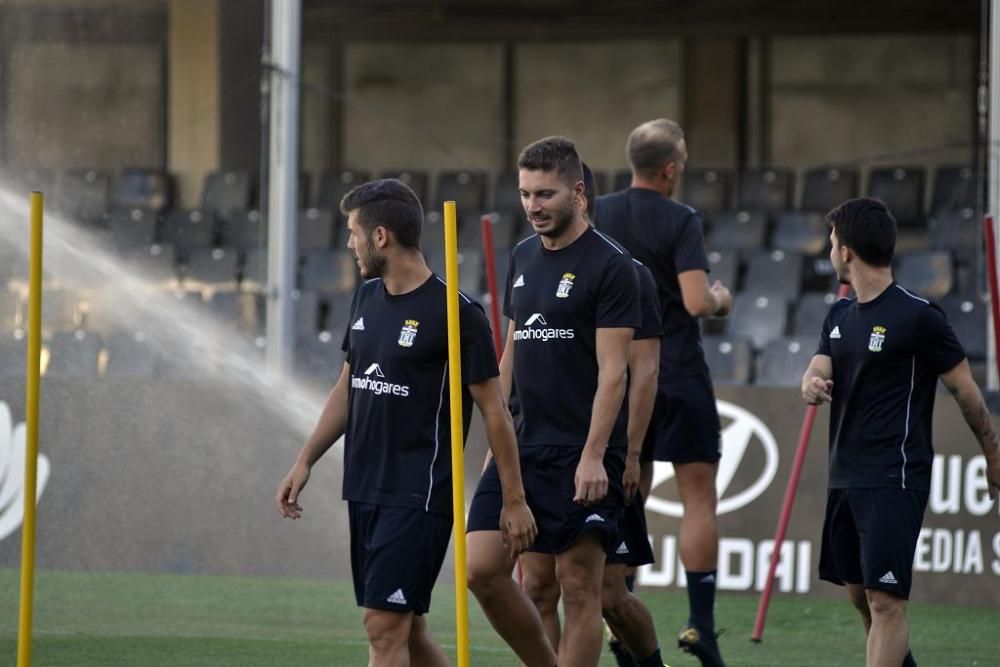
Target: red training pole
991,272
786,511
491,282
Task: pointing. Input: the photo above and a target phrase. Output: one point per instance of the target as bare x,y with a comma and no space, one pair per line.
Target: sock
655,660
908,661
630,583
622,657
701,598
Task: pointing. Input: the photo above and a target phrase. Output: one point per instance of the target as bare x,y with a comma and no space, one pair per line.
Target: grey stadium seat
724,265
928,274
828,187
804,232
810,313
244,230
13,355
73,354
417,180
254,274
130,355
319,357
316,230
156,263
968,318
10,311
729,359
708,191
466,188
212,266
329,271
762,319
958,231
334,185
783,361
227,191
622,180
142,188
738,230
766,190
132,228
773,273
506,196
954,190
85,194
902,190
189,228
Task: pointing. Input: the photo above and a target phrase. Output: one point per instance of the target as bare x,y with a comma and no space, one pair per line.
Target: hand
725,298
517,525
816,391
290,489
591,480
630,479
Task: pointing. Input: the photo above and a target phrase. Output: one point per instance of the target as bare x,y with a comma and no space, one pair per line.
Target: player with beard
572,302
878,363
391,404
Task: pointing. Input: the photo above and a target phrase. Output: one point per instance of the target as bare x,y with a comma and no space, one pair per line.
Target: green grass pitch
176,620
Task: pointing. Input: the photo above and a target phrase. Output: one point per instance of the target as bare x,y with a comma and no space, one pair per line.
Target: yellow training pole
457,451
31,451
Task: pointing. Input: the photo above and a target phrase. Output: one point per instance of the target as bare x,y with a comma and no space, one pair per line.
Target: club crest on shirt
565,285
876,339
408,333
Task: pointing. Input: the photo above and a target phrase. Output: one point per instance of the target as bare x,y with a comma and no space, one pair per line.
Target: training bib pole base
31,448
786,512
457,453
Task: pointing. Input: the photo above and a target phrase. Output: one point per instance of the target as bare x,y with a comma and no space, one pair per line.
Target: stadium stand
724,265
130,355
334,185
13,355
85,195
929,274
132,228
902,190
954,190
804,232
622,180
189,229
329,271
767,190
466,188
10,311
149,189
968,318
227,191
244,230
810,313
316,231
827,187
958,231
73,354
156,263
417,180
762,319
783,361
211,267
708,191
738,230
730,359
773,273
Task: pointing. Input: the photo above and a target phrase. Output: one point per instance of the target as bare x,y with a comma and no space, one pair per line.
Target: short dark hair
589,190
867,227
652,145
553,153
390,203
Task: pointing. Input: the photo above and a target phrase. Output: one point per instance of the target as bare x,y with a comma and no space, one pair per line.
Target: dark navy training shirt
649,304
887,355
667,237
397,444
557,299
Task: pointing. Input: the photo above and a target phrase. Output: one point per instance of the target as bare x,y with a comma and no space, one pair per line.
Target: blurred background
155,128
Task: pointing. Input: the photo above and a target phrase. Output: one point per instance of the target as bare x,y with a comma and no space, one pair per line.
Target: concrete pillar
711,100
193,94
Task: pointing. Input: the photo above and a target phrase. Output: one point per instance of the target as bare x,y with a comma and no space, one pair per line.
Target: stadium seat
13,354
84,195
336,314
954,190
306,308
132,228
211,267
227,191
329,271
766,190
227,307
707,190
470,269
773,273
601,182
28,179
968,319
738,230
156,263
828,187
60,309
244,230
783,361
810,313
10,311
902,190
506,195
130,355
417,180
466,188
188,229
803,232
928,274
504,227
760,318
622,181
253,277
316,231
142,188
334,185
319,357
73,354
724,265
729,359
958,231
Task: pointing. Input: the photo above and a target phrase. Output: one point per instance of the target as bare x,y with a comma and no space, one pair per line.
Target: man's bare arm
966,392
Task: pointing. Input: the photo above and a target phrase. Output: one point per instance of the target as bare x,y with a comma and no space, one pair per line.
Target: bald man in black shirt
879,360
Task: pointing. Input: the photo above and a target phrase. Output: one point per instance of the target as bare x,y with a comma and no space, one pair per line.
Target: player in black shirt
391,404
879,360
667,237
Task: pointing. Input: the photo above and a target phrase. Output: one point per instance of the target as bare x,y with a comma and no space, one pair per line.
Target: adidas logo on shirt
835,333
888,578
359,325
520,281
622,549
594,517
397,597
